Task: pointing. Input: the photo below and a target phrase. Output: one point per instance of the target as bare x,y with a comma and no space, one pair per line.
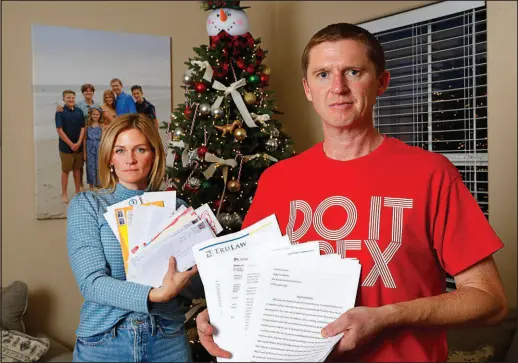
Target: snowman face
234,22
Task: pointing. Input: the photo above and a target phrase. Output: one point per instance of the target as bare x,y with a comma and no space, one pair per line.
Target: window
437,98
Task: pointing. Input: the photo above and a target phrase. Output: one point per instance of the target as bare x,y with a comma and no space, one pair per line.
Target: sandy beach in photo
48,175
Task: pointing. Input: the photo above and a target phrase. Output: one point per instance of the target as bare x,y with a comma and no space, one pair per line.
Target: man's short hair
134,87
116,80
86,86
68,91
343,31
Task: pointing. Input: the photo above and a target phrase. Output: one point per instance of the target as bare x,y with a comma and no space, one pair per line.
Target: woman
108,107
120,320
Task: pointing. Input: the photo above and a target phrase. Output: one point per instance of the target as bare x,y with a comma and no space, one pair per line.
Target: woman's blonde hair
106,93
122,123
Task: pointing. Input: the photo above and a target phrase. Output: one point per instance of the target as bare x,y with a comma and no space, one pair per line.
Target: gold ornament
250,98
233,186
267,71
228,128
176,180
240,134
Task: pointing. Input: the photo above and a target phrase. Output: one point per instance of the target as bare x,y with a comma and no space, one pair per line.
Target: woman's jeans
152,339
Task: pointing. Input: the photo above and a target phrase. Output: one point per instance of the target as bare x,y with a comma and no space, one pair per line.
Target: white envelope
149,268
168,197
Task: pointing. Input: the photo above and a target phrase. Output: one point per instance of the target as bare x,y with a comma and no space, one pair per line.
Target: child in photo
93,135
70,126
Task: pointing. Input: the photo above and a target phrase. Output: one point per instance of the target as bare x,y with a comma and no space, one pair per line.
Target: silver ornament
204,109
193,156
194,182
274,132
272,144
217,113
225,219
235,220
230,219
187,79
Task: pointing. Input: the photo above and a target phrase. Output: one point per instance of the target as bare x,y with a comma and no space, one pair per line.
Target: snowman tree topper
226,15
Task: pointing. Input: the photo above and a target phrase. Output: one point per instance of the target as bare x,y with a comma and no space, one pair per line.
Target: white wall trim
429,12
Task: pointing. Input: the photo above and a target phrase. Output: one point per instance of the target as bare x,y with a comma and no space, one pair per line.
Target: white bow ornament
236,96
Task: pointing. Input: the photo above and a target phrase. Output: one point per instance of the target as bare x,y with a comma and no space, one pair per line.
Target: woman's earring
111,168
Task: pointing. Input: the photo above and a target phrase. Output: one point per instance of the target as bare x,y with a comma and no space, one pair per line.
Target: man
124,103
402,211
143,105
70,126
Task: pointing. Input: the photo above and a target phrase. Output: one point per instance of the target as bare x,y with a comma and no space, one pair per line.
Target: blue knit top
95,256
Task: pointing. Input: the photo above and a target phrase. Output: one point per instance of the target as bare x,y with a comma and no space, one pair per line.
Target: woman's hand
173,283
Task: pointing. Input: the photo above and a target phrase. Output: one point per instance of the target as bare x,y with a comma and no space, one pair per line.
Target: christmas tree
226,133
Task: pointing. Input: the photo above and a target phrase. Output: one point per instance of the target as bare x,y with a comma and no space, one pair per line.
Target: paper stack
268,299
150,229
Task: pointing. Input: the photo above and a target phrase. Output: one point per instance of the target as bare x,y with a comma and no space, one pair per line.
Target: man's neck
70,106
346,145
89,101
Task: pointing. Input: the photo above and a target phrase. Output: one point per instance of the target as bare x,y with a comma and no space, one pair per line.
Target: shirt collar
122,192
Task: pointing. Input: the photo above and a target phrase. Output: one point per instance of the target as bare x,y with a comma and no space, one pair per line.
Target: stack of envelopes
150,229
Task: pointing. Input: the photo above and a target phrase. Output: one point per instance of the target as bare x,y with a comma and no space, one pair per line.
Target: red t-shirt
403,212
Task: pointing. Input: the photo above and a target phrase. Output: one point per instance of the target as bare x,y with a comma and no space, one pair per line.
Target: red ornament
217,203
200,87
188,112
202,150
265,79
190,189
170,189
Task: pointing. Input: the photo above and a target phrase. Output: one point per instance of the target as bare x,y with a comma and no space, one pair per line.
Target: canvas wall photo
71,59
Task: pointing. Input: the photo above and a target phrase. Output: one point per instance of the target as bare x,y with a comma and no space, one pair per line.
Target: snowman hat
222,4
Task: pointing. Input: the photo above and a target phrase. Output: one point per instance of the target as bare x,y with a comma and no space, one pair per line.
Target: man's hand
358,324
205,331
173,283
74,147
59,108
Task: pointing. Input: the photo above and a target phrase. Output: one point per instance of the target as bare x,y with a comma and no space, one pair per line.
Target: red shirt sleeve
462,236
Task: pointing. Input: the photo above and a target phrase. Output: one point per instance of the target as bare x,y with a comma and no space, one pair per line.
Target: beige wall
35,251
501,94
